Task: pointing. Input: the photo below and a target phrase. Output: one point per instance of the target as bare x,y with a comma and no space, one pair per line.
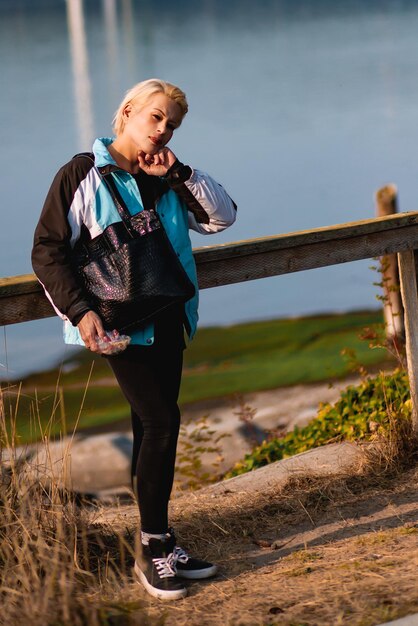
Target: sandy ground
337,550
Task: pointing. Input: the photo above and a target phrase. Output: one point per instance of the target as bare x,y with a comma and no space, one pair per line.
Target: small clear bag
117,343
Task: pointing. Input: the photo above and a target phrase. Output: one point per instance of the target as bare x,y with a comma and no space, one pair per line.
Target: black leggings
149,377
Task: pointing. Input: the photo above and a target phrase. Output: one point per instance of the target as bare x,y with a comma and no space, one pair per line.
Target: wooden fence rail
22,299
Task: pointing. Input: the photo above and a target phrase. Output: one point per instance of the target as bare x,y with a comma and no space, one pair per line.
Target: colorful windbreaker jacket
78,200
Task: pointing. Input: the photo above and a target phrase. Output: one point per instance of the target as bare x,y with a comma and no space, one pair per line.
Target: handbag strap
114,192
117,199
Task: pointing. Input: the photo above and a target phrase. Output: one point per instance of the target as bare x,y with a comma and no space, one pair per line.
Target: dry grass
315,552
56,565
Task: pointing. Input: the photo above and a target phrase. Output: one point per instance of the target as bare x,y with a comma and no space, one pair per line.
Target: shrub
195,440
363,412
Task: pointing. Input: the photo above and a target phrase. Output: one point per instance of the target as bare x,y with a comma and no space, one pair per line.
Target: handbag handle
118,201
114,192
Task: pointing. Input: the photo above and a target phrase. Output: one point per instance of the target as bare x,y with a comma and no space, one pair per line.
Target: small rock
276,610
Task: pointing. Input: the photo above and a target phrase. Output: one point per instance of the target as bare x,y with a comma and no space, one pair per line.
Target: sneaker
156,570
188,567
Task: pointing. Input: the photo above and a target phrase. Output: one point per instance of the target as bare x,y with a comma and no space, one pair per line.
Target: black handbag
130,272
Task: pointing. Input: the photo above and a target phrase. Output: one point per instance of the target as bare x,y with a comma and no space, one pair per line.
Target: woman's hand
89,326
156,164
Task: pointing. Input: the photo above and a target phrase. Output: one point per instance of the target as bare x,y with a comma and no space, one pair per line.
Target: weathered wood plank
387,204
214,273
22,298
315,235
24,308
17,285
408,280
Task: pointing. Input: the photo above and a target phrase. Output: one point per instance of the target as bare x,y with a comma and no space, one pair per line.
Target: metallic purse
130,272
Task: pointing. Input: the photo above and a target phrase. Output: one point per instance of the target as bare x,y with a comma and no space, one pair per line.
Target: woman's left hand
156,164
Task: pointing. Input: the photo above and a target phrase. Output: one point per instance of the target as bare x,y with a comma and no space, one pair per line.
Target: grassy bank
221,361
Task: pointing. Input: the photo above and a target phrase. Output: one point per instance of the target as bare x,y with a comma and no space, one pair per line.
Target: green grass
45,410
276,353
221,361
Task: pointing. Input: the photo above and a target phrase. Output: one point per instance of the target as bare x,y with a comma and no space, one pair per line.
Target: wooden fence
22,299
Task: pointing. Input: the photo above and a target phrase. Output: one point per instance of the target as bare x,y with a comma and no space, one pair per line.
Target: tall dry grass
56,565
59,562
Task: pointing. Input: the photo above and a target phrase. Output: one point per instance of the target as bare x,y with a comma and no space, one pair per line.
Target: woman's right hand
89,326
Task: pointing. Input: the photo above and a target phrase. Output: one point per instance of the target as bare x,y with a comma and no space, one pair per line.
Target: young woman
147,175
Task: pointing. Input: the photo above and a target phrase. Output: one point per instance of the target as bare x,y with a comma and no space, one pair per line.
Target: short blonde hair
139,95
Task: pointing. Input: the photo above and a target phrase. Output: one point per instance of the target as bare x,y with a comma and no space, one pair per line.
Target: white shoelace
165,566
180,555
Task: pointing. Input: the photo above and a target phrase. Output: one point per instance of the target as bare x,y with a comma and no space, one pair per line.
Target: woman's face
151,127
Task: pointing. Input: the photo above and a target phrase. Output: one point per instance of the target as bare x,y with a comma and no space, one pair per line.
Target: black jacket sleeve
176,177
51,253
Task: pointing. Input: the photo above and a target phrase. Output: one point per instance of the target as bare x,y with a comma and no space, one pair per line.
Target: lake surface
300,109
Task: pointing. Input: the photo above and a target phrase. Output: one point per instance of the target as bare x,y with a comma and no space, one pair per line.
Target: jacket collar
102,158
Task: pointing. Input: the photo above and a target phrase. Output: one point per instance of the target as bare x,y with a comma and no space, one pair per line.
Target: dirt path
318,552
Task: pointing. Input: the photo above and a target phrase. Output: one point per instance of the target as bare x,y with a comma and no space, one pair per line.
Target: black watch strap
178,173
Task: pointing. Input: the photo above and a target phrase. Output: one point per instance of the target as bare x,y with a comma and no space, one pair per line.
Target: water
301,109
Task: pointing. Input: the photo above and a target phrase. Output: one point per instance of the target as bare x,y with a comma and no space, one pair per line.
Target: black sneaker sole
160,594
197,574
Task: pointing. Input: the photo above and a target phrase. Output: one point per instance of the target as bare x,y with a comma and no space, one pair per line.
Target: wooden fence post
408,280
387,204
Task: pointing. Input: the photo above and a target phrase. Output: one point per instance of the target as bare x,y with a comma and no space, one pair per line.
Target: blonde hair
139,95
